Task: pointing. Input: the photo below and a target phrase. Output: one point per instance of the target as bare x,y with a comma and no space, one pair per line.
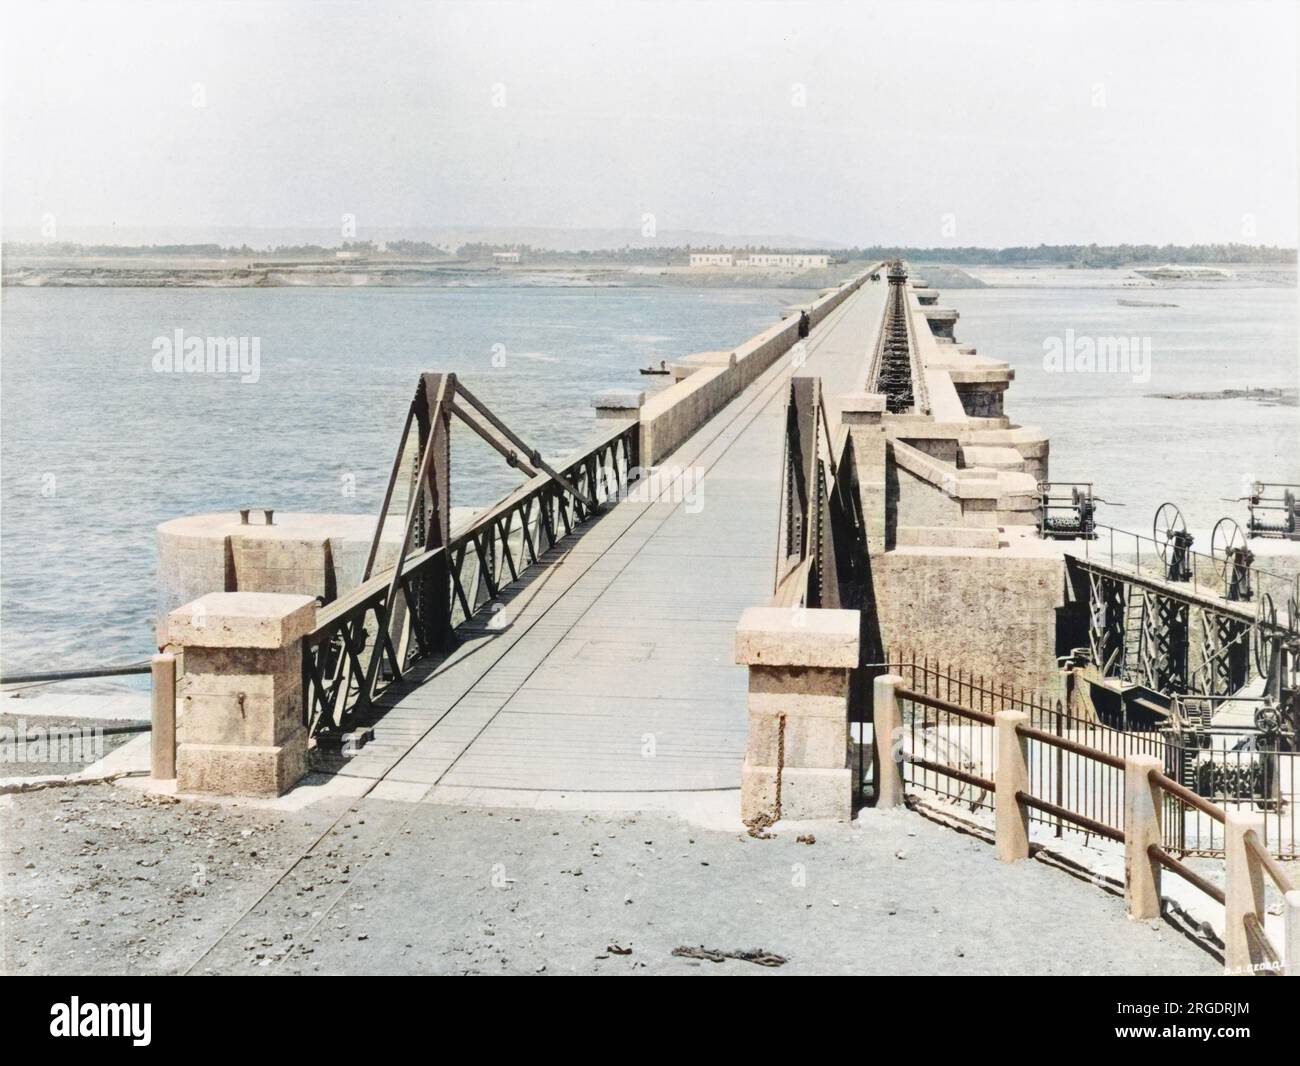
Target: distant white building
787,261
505,257
711,259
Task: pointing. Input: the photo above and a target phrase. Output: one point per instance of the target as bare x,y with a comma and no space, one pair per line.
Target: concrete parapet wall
670,417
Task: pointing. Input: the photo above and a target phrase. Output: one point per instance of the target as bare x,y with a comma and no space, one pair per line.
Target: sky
913,123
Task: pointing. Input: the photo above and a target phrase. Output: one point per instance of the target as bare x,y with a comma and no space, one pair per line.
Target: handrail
397,617
944,705
1158,854
364,593
1072,746
1143,900
1090,824
952,771
74,675
1274,868
1215,585
1255,930
1189,797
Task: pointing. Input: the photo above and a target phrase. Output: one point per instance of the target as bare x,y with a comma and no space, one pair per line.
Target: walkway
611,667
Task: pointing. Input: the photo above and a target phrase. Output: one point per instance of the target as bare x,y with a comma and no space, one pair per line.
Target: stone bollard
886,741
1143,800
1012,776
240,728
797,757
1243,893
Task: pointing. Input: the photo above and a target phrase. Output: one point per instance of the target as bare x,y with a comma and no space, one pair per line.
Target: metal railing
41,677
947,739
1145,557
363,643
1011,790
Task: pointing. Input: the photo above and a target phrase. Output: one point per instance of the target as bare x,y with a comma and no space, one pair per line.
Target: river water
98,447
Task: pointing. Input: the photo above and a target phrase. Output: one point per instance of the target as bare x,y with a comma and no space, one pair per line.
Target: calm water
1109,429
98,448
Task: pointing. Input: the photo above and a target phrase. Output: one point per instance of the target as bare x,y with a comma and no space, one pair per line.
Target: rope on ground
758,956
12,786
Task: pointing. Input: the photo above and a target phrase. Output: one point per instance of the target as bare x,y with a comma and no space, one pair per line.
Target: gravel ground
98,879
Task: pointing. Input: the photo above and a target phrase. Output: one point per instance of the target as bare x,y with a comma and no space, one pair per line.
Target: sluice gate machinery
1192,645
1273,510
1067,510
896,369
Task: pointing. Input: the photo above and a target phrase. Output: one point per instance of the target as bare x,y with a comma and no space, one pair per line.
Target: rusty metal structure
896,369
1176,636
408,612
822,543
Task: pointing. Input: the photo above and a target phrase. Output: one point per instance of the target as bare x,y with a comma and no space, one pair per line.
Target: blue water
98,448
1109,429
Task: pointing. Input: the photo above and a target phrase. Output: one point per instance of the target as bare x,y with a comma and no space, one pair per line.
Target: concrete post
162,741
1143,801
797,757
1012,776
618,404
241,727
1291,933
886,744
1243,894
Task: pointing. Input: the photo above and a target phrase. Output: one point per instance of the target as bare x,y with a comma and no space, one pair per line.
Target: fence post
1291,933
1143,800
1243,894
1011,777
162,742
886,741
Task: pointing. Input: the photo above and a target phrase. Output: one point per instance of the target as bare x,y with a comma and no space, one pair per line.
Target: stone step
994,457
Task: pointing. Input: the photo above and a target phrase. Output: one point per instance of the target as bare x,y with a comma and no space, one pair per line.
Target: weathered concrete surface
993,612
239,726
311,554
95,882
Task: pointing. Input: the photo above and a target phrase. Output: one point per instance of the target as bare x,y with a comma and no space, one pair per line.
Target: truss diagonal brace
511,456
534,456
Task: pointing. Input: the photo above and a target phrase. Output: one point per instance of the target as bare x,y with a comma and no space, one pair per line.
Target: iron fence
949,751
365,641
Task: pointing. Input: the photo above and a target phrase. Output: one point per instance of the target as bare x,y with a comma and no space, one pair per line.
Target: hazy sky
945,123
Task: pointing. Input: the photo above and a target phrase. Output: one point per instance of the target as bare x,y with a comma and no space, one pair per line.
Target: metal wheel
1263,637
1169,520
1225,540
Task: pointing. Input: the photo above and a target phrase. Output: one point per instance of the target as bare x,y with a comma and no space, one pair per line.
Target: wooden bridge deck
610,665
